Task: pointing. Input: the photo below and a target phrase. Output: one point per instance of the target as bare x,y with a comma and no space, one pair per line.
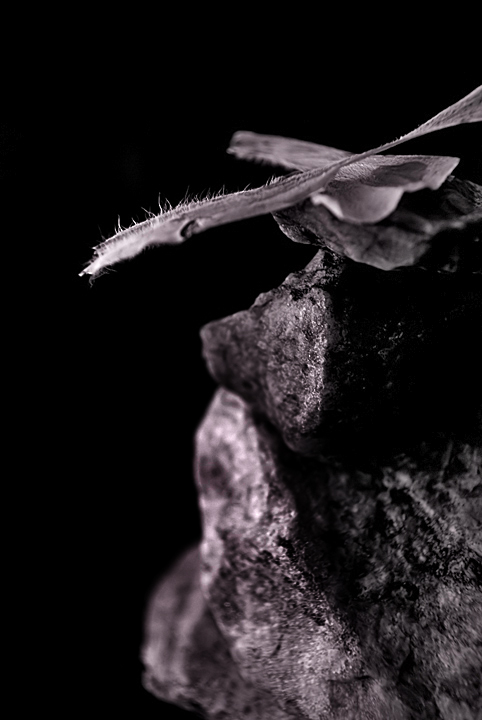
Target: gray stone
339,476
186,658
345,592
343,353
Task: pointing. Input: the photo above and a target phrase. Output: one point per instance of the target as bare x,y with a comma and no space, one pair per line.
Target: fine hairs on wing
195,215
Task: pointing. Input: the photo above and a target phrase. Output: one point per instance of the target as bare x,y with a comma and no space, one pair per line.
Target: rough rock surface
187,659
347,592
339,476
343,352
280,621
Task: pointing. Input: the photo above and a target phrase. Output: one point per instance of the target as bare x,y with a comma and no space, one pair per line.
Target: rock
344,592
186,658
283,630
339,475
343,353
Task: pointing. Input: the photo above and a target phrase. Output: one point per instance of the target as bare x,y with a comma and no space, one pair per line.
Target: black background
97,126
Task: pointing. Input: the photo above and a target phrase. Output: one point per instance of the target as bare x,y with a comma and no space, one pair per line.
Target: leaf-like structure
176,225
285,152
369,191
452,213
366,191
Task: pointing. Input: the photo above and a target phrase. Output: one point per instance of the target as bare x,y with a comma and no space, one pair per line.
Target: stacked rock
339,476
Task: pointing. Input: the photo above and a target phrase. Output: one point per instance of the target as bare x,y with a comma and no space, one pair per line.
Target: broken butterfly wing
452,214
360,191
366,191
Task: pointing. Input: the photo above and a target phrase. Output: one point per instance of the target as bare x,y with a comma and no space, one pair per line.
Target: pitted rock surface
186,658
339,475
345,354
344,592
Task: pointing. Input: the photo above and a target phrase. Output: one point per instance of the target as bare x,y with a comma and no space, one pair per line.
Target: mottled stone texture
268,578
345,353
345,591
339,476
187,659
